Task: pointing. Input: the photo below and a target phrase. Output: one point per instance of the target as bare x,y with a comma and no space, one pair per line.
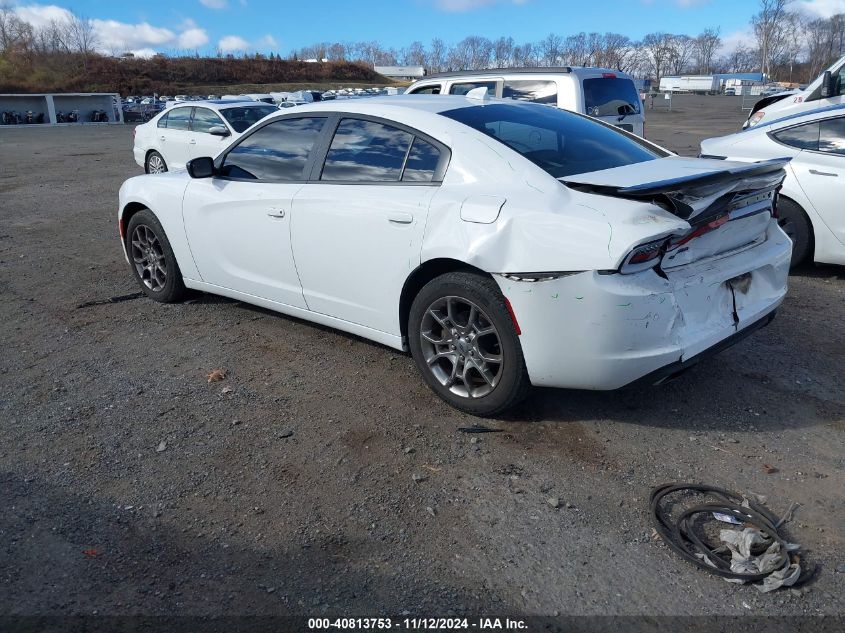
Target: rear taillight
608,75
698,232
643,257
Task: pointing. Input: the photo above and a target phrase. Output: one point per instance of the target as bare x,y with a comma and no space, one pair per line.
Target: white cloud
688,4
821,8
743,37
461,6
214,4
232,43
268,41
142,39
193,38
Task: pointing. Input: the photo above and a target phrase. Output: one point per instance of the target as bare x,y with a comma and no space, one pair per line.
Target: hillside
62,72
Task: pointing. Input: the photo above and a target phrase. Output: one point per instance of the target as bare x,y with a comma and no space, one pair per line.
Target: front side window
610,96
800,137
366,151
242,117
276,152
462,89
179,119
832,136
204,120
557,141
531,90
427,90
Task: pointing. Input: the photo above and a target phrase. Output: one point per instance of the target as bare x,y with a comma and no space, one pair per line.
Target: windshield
242,117
560,142
610,96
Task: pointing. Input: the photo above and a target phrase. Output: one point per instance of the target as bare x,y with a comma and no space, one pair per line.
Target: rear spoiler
700,197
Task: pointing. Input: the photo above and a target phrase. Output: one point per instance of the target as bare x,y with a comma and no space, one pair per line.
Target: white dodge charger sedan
504,244
811,200
192,129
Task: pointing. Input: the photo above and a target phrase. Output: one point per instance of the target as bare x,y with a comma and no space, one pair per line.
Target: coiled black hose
678,534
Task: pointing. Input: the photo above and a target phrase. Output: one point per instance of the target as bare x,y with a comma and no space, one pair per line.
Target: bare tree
658,50
437,53
771,28
706,45
550,49
683,52
82,37
503,52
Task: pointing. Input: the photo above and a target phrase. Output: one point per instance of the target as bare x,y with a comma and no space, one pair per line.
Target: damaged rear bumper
604,331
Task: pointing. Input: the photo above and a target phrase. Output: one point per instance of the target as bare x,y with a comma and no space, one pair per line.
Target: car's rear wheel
152,258
155,163
465,345
796,225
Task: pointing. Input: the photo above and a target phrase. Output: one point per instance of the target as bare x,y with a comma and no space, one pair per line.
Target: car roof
220,104
434,104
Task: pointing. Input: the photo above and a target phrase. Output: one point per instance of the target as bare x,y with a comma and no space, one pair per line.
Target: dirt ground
323,477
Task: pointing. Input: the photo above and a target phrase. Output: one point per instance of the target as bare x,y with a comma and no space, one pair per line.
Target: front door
238,223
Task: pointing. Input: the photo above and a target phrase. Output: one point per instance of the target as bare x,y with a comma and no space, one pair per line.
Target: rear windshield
610,96
242,117
560,142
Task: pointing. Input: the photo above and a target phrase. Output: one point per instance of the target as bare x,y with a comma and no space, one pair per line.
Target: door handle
161,138
276,213
400,218
816,172
193,141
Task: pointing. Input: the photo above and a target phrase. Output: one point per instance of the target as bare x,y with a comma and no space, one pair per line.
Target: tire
152,260
445,341
796,225
155,163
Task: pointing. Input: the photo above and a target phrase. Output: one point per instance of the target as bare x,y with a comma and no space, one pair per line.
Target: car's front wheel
155,163
152,258
464,343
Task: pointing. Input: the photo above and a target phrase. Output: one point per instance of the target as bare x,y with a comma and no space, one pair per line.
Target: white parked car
608,95
826,90
189,130
503,243
811,202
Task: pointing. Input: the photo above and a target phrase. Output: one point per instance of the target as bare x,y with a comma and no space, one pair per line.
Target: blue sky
265,25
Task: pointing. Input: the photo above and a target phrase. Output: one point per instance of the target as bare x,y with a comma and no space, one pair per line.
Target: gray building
401,72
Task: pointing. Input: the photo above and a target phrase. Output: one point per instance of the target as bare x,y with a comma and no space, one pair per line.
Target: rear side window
801,136
462,89
422,161
427,90
204,120
531,90
610,96
832,136
276,152
162,122
557,141
179,119
366,151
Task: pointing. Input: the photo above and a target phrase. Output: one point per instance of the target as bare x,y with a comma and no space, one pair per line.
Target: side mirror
828,84
202,167
218,130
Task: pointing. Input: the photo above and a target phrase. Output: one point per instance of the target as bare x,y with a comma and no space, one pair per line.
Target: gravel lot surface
322,477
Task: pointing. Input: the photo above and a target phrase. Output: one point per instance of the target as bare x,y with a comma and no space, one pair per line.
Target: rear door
357,227
173,140
820,169
613,99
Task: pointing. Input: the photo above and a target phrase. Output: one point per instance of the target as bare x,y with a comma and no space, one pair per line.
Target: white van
609,95
826,90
